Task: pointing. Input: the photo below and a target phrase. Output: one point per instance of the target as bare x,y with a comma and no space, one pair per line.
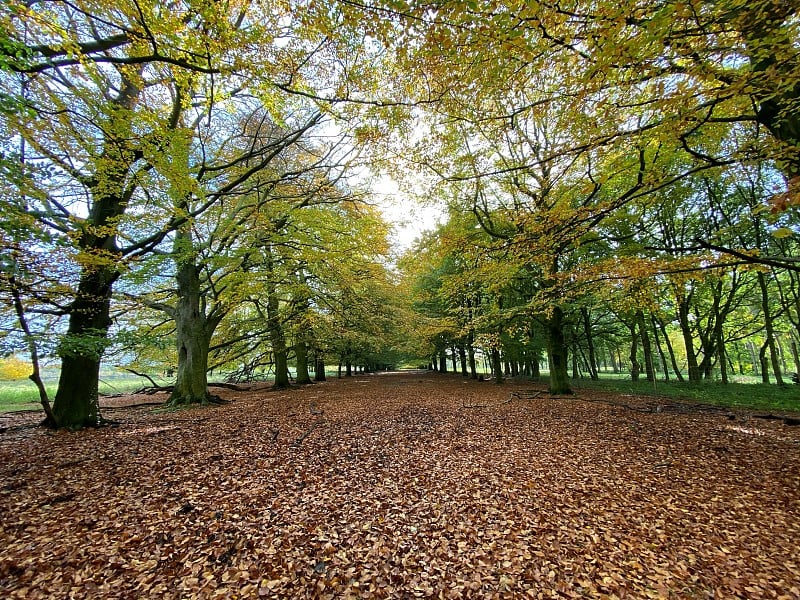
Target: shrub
13,368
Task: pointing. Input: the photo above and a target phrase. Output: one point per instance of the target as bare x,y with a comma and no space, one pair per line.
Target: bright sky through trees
409,218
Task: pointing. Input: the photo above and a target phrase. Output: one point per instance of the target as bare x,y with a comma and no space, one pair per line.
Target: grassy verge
754,396
23,395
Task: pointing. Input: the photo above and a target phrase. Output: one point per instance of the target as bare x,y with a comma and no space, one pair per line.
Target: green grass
23,395
754,396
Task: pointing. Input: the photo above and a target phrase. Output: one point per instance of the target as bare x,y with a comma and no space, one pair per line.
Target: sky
409,217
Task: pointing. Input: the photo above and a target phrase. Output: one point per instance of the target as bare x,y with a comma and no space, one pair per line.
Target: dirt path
403,485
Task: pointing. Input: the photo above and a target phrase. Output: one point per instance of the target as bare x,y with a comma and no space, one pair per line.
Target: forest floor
400,486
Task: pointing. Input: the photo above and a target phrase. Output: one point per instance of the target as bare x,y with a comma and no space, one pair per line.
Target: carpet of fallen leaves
401,486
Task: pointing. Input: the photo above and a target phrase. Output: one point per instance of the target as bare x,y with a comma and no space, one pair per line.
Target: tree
97,130
120,106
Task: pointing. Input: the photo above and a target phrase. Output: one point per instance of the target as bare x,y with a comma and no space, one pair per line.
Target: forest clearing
403,485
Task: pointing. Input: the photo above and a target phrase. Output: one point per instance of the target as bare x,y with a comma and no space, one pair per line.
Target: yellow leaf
782,232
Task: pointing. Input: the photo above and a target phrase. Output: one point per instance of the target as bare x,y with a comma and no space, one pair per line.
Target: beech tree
94,124
117,107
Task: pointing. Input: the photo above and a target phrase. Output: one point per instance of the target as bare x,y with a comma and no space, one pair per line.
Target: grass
754,396
23,395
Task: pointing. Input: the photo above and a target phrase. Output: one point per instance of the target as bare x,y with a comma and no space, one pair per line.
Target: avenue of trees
183,187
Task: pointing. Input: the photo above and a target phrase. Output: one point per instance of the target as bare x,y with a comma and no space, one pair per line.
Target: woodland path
403,485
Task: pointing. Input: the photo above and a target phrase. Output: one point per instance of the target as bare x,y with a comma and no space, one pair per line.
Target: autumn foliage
13,368
403,485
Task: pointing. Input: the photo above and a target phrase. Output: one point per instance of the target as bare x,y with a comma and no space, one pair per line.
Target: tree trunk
76,402
319,367
557,353
301,359
754,359
769,328
614,364
443,362
795,356
634,353
661,355
782,355
587,331
191,382
575,370
473,371
723,365
277,337
33,351
278,342
497,366
193,329
688,341
462,355
672,359
647,349
762,359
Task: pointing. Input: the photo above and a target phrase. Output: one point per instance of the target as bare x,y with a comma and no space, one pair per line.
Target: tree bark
769,328
277,336
723,364
754,359
795,356
587,331
473,371
193,328
76,401
634,353
575,369
662,357
557,353
762,359
688,341
497,366
319,366
647,349
301,359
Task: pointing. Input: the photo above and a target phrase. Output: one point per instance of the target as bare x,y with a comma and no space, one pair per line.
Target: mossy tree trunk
193,327
277,336
301,359
557,352
497,365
